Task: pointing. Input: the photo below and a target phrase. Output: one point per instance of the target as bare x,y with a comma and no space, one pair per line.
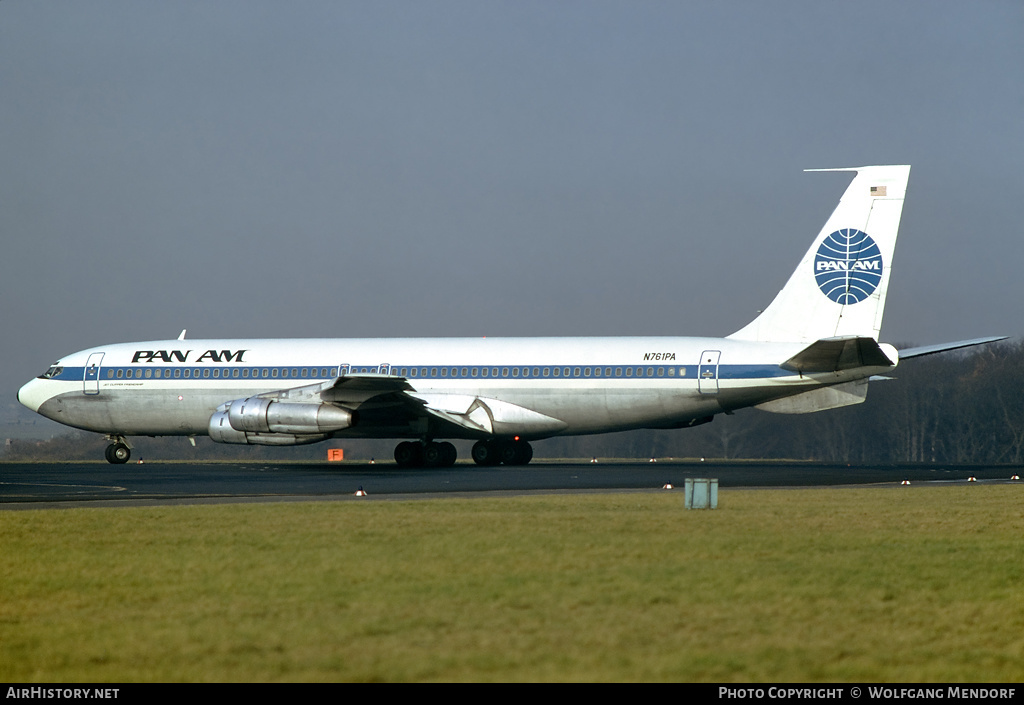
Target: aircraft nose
33,394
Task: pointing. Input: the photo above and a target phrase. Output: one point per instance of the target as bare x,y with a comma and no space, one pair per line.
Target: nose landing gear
119,451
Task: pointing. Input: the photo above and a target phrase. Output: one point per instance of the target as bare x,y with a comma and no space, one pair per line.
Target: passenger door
91,377
707,372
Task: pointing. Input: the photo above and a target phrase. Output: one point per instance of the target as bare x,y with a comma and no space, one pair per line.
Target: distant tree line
949,408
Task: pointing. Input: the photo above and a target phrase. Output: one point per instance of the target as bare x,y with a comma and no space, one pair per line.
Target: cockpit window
54,371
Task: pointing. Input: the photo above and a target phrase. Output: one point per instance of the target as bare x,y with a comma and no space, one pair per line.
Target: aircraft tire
118,453
485,453
433,455
525,453
408,454
449,454
508,453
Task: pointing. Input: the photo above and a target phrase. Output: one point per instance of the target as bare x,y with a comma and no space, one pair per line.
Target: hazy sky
352,169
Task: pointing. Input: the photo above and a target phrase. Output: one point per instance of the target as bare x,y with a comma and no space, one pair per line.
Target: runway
77,484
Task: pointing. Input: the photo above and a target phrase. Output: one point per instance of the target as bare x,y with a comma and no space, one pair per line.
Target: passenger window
586,371
661,371
110,374
650,371
177,373
629,371
504,372
576,372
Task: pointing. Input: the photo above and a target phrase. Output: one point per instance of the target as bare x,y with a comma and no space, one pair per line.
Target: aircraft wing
384,399
944,347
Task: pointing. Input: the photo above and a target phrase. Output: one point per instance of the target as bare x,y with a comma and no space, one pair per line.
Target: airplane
813,348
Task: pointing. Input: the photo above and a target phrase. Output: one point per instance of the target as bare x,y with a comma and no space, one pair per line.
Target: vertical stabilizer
839,287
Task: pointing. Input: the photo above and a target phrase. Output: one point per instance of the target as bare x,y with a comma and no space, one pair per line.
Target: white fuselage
589,385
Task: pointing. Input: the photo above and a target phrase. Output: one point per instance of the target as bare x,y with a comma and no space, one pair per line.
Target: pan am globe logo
848,266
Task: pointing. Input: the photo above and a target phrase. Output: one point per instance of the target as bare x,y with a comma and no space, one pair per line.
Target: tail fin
839,287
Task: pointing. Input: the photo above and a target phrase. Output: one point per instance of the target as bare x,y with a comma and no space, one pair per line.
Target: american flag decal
878,190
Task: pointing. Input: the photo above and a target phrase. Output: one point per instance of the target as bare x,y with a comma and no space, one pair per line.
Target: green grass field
880,584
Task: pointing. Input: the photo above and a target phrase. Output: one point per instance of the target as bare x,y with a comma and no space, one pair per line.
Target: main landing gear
119,451
502,452
414,454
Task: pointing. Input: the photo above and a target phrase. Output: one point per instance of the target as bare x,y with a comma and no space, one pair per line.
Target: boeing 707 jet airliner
815,347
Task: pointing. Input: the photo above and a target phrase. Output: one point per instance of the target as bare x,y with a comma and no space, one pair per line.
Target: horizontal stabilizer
945,347
835,354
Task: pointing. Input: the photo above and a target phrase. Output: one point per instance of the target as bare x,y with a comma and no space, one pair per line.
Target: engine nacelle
261,415
221,431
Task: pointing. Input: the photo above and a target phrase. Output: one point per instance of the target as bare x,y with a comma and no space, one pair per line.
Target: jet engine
262,421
